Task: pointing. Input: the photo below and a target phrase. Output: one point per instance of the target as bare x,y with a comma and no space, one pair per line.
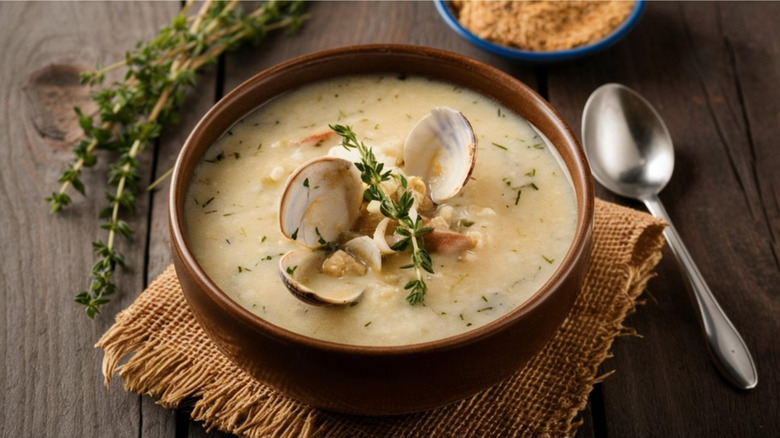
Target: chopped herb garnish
520,190
294,235
531,173
484,309
207,202
321,240
465,223
499,146
306,183
367,324
550,261
291,270
220,156
262,239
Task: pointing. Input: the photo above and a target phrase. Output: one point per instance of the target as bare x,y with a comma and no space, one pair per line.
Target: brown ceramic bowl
382,380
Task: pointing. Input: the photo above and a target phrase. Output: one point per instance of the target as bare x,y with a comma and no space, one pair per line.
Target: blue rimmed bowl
446,12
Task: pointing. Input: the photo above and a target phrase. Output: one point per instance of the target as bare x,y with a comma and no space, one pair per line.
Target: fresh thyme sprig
134,112
411,229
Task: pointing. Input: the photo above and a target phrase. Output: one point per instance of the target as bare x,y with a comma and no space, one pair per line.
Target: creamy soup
518,209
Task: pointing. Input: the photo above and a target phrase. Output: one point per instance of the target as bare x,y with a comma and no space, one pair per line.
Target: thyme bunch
133,112
410,228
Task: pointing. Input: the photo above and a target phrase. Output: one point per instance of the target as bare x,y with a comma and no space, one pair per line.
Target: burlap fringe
222,401
649,241
236,404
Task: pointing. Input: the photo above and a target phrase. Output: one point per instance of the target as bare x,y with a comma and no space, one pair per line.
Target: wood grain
685,59
338,24
197,103
50,376
710,69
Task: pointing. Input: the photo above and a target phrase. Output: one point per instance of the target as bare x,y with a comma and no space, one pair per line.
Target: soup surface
518,209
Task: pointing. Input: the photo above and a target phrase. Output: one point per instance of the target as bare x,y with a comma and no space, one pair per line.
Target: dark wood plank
198,102
753,49
710,69
710,72
338,24
51,372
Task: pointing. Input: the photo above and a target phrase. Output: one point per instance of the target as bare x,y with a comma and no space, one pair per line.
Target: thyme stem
133,113
410,228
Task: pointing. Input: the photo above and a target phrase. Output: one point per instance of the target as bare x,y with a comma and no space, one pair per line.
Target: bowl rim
576,251
541,57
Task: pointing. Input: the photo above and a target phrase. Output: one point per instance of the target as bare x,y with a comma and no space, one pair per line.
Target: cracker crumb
542,26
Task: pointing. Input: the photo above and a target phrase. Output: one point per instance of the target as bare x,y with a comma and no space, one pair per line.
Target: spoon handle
732,357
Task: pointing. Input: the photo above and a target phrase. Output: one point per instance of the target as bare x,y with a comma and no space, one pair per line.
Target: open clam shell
320,201
301,272
365,250
441,149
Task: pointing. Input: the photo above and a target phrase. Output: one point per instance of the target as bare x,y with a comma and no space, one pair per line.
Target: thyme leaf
132,113
412,230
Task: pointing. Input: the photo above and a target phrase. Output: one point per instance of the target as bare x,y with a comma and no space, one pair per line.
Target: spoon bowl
628,145
631,153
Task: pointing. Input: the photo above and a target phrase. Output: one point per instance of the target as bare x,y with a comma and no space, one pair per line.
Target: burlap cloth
174,361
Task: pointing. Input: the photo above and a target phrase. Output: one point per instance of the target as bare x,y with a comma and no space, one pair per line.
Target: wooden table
711,69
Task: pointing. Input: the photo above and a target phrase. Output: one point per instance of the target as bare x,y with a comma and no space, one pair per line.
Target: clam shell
441,149
298,268
320,201
366,251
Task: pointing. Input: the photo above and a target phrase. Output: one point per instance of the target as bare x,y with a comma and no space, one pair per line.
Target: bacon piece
445,241
317,139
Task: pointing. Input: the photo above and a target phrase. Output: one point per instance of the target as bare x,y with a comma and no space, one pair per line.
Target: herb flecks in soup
517,214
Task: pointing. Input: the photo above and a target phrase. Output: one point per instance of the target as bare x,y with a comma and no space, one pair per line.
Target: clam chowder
278,216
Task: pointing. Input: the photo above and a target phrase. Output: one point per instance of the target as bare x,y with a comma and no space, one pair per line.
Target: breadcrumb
542,26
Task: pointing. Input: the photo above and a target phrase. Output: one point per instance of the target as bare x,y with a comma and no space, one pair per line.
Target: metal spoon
630,152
